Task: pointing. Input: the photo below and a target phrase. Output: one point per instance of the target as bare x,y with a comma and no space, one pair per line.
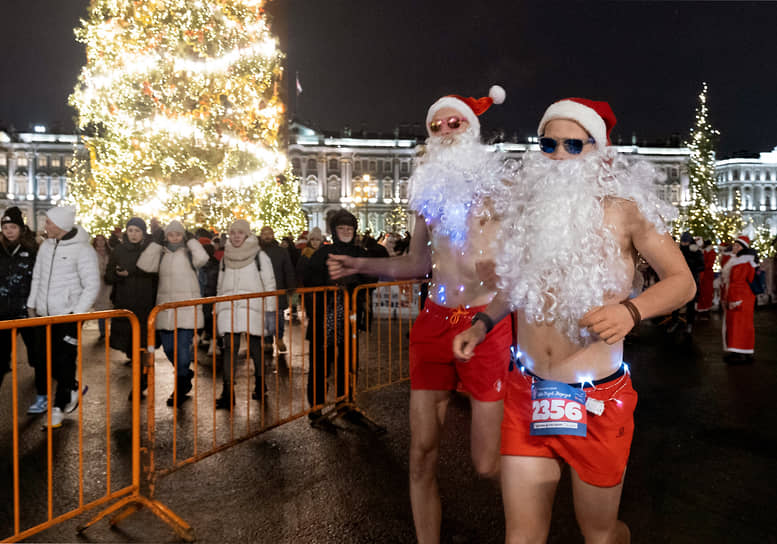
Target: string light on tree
180,114
700,215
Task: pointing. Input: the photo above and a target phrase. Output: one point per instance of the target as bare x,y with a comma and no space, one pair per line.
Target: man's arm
415,264
464,343
675,287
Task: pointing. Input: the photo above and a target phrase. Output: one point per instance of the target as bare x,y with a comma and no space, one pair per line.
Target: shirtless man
452,191
568,258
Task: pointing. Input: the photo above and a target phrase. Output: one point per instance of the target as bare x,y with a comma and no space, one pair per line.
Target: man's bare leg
427,415
596,509
528,488
485,437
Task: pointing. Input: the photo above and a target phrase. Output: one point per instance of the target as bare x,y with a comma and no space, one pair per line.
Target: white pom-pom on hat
497,94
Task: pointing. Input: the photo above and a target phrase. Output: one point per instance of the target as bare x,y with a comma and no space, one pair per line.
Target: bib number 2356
557,408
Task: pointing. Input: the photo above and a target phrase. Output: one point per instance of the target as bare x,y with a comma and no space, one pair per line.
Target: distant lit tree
699,216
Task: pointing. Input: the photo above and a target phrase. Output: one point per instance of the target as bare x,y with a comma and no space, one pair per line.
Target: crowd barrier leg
135,502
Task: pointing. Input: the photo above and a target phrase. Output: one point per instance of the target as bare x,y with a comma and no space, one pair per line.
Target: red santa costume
738,301
706,280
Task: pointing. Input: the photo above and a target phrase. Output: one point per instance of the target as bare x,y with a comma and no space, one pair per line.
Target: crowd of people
137,267
532,291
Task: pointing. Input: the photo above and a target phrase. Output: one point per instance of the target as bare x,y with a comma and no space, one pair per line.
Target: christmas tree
730,222
179,111
700,217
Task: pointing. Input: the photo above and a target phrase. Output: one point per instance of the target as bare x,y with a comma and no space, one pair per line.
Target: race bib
557,408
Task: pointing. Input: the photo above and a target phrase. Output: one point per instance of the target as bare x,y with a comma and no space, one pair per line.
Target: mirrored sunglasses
452,122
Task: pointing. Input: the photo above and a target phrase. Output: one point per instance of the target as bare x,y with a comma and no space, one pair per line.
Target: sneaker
213,347
56,418
182,398
40,405
73,404
281,346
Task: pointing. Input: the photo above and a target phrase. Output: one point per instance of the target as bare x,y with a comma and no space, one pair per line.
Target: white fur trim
459,106
583,115
497,94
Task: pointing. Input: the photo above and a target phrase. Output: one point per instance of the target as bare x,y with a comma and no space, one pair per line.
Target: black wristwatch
485,318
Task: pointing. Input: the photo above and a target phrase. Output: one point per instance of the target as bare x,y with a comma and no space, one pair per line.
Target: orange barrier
177,437
93,449
380,351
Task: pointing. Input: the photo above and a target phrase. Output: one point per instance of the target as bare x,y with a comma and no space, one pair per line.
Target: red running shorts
433,366
600,457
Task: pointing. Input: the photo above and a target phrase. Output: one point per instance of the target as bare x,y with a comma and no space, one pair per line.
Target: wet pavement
703,466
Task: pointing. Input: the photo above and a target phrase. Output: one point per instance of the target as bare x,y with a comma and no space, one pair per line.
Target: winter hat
594,116
242,225
64,217
343,217
13,215
743,240
175,226
469,107
686,238
137,222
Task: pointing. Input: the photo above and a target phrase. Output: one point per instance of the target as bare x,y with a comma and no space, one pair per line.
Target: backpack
758,285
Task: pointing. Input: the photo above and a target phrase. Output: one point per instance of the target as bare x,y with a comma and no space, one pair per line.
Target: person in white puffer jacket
245,268
176,263
65,280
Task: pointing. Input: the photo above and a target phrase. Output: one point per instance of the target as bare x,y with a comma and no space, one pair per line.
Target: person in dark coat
327,315
17,260
284,278
133,289
694,258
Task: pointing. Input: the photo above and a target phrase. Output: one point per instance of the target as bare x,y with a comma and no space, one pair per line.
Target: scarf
239,257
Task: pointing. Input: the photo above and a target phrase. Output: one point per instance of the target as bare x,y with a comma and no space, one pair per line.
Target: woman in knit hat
176,262
245,268
133,288
17,259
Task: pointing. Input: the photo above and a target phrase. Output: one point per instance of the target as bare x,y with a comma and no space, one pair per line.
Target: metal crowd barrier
65,497
373,358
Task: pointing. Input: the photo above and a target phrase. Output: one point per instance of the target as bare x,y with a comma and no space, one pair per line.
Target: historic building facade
34,172
751,184
369,175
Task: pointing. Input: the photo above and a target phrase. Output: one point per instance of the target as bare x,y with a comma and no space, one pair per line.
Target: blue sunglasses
573,145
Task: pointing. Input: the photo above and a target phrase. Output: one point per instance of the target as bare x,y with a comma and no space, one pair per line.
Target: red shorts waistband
614,376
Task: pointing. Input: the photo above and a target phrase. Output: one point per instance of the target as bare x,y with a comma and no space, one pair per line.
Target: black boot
184,386
226,398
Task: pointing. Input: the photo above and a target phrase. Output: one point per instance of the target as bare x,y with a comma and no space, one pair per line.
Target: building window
3,185
311,190
675,192
403,189
403,167
373,166
736,173
54,187
311,165
54,162
3,159
333,189
42,186
333,164
295,166
21,185
357,166
747,175
21,161
387,166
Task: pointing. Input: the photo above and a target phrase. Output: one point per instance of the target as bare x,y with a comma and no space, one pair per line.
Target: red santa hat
469,107
743,241
595,116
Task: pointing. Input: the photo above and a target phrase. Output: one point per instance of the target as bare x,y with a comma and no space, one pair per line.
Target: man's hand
486,271
464,343
341,266
611,323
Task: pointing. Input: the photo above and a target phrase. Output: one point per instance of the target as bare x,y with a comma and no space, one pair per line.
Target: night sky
380,63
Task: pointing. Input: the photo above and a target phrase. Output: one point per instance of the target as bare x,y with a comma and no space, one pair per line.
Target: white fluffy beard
454,176
557,258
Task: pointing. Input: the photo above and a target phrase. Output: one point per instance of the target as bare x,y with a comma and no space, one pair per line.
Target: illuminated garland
179,107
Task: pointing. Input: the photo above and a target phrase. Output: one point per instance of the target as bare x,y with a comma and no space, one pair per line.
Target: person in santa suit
706,279
725,254
738,303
